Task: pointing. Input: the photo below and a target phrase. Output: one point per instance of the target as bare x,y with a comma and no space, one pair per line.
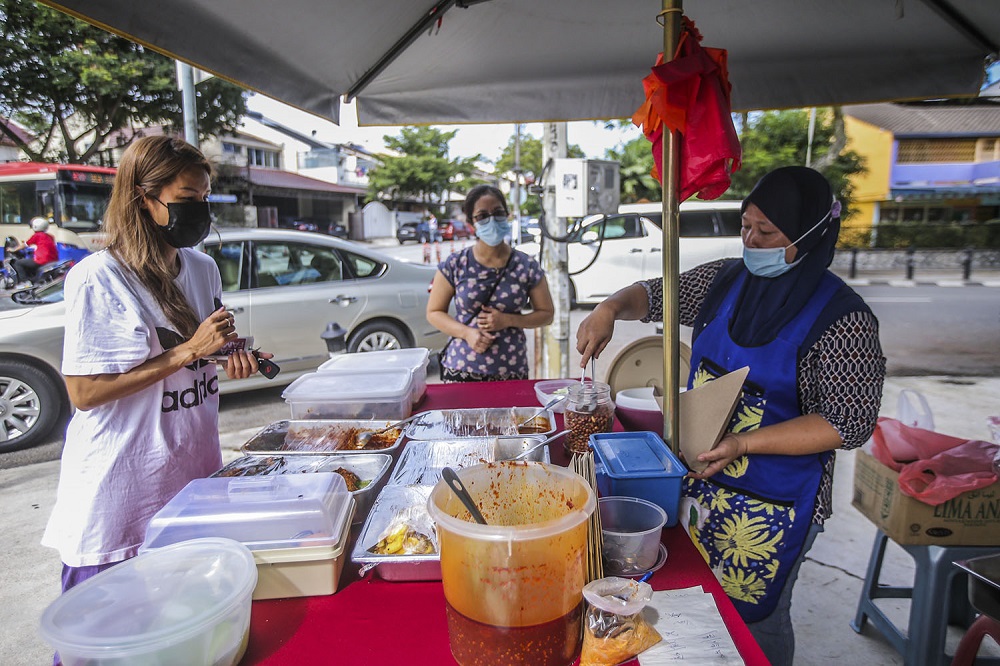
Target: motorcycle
50,272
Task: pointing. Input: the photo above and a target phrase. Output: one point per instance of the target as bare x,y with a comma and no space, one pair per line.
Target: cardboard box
971,519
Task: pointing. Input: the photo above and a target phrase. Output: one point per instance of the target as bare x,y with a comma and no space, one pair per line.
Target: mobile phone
239,344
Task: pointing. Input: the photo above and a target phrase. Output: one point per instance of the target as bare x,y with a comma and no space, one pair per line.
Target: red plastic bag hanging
690,94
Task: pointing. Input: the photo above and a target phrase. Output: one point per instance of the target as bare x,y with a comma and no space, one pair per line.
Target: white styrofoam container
296,525
386,394
415,359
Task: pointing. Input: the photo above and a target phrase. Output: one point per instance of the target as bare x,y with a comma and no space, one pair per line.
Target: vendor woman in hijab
815,385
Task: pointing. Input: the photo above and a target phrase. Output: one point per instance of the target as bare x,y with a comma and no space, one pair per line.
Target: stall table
372,621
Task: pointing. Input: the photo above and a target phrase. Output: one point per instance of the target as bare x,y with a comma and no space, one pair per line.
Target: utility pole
185,81
555,350
517,177
811,132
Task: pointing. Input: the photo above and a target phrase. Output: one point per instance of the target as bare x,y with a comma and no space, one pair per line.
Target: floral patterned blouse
507,357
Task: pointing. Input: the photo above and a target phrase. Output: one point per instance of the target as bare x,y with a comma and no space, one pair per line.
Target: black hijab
795,199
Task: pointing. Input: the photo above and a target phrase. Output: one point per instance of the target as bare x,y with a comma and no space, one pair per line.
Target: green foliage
72,85
637,182
773,139
531,165
421,168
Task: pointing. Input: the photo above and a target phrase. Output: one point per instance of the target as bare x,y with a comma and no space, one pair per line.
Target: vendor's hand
480,341
489,319
729,448
594,335
217,329
243,364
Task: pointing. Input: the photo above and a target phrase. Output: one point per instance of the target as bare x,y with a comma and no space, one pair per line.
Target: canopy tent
484,61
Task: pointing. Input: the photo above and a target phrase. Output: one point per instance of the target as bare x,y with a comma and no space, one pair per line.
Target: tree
773,139
73,85
531,165
421,168
636,160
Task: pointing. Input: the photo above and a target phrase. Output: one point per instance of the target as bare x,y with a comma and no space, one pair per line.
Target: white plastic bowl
631,529
188,603
550,388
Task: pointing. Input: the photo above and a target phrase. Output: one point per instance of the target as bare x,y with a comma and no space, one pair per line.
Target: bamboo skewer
583,464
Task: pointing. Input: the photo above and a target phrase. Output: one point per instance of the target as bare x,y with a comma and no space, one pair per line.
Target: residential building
9,150
928,162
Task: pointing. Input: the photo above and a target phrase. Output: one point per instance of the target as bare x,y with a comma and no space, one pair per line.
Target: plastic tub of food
386,394
188,603
415,359
296,526
553,388
638,464
637,409
364,473
631,528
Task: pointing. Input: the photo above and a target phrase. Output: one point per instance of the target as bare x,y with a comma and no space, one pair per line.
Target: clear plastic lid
390,359
157,599
363,385
263,513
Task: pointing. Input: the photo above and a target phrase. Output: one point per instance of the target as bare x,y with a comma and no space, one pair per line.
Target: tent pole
672,10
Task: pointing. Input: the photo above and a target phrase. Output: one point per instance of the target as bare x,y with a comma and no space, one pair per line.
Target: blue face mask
492,230
770,261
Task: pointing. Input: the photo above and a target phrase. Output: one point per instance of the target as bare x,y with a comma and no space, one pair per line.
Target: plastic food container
318,437
551,388
296,526
515,585
187,603
415,359
386,394
631,528
372,469
638,464
637,409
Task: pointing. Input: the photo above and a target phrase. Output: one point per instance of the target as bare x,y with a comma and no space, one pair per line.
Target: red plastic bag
690,94
933,467
947,475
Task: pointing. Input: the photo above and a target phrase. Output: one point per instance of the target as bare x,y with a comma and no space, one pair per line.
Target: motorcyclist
45,251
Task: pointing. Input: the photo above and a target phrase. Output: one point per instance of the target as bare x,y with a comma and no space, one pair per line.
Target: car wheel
30,405
377,336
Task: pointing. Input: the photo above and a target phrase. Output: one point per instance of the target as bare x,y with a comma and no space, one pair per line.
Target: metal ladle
455,483
364,437
540,444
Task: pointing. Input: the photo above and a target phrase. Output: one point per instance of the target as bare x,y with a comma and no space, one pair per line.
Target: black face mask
188,224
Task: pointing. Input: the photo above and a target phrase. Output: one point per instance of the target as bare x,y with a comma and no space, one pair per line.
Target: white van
632,245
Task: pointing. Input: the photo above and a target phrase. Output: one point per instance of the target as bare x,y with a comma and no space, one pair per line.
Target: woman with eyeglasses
142,315
491,284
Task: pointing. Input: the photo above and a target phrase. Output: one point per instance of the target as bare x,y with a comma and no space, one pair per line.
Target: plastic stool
938,597
965,653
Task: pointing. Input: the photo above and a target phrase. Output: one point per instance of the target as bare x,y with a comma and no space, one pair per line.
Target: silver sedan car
285,289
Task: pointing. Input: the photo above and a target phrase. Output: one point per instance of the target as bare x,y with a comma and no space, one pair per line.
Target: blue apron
757,511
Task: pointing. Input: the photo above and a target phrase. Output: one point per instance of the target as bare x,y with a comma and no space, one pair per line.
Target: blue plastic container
638,464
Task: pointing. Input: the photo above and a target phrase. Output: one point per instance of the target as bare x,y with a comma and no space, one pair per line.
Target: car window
283,264
614,227
732,222
229,258
363,267
697,224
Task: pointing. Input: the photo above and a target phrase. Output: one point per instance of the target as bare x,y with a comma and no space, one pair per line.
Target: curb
887,282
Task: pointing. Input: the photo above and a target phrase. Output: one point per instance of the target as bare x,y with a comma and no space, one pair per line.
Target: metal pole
671,14
185,77
809,136
555,262
517,177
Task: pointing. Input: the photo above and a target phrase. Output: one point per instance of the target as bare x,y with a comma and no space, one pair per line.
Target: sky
488,140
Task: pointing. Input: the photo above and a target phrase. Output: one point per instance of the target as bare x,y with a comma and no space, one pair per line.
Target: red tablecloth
372,621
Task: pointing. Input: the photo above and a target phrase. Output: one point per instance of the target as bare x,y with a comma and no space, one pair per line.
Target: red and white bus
73,197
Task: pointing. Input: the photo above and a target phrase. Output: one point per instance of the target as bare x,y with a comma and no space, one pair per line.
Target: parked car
610,252
408,231
283,287
455,230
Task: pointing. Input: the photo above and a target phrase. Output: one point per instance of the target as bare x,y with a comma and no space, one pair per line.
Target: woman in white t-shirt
141,316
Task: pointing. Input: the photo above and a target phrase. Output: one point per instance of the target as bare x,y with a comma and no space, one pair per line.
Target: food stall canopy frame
485,61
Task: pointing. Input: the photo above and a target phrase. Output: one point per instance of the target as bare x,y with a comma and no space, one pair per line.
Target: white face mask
770,261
